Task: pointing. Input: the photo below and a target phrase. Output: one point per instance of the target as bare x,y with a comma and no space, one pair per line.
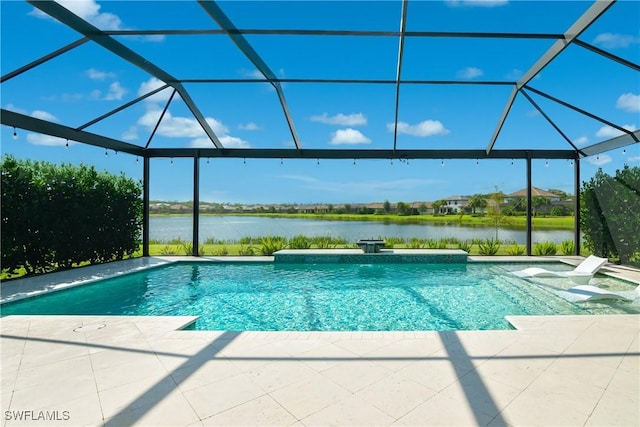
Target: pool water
326,297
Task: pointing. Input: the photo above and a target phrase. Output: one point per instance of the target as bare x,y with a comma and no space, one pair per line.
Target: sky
86,82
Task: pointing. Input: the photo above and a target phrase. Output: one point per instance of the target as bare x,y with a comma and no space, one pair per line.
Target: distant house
535,192
313,209
454,204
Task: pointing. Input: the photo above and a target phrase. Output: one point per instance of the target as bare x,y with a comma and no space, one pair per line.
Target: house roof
535,191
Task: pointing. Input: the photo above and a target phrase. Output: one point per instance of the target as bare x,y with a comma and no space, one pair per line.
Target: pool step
357,256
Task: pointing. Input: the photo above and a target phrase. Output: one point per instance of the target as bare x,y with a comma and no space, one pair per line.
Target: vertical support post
145,206
529,205
576,208
196,203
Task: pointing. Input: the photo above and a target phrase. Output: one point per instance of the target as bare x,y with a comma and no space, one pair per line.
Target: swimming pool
326,297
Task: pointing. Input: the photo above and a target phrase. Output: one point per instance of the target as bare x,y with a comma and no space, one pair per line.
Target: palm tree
477,201
437,205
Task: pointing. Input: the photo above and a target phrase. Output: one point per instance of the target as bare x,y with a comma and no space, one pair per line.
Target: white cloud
151,85
629,102
422,129
88,10
249,126
46,140
609,132
348,136
356,119
94,74
186,127
469,73
43,115
130,134
600,160
581,141
633,159
116,92
478,3
614,41
233,142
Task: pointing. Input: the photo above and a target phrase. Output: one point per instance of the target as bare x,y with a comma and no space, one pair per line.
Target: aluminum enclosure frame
105,39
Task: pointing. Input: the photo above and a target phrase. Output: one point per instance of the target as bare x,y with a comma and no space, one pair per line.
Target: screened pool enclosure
518,82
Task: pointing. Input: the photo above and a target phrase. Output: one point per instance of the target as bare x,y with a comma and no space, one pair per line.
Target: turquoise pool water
325,297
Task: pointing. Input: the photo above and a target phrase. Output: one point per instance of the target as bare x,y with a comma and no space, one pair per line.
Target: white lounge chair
581,274
582,293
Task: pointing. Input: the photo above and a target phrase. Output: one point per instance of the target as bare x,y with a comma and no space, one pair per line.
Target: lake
165,228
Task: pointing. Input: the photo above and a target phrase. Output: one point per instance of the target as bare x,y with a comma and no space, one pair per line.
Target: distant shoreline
513,222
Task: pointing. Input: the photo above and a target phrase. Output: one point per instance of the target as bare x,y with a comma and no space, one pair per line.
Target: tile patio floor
125,371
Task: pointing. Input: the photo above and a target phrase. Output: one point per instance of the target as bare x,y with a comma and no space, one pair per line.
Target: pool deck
122,371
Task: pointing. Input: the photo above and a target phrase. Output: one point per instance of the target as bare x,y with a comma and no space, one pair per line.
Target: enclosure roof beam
71,20
216,13
357,81
355,33
581,24
355,154
122,107
403,26
581,111
11,118
551,122
608,55
612,144
43,59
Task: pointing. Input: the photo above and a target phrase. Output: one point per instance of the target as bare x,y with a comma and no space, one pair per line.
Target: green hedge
610,214
56,216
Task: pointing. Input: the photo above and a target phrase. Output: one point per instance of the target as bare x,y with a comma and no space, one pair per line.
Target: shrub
489,247
515,250
465,246
246,240
271,244
326,242
545,248
391,242
416,243
560,210
567,247
299,242
210,241
610,213
436,244
248,251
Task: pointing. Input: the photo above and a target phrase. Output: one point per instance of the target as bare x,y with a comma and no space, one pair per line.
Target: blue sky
88,81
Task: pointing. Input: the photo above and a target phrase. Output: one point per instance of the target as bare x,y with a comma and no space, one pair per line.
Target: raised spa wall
357,256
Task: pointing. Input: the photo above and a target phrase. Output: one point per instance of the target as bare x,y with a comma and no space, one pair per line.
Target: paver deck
119,371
